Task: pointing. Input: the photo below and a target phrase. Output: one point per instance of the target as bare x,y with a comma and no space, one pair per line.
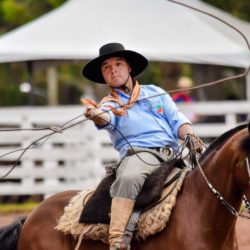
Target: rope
61,129
229,25
79,241
35,144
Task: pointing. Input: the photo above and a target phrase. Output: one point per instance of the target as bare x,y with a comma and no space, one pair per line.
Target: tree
15,13
12,15
239,8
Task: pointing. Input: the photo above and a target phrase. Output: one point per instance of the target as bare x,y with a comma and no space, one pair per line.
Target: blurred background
70,86
43,48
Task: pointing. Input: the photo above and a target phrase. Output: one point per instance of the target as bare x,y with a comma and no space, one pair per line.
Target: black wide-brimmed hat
137,62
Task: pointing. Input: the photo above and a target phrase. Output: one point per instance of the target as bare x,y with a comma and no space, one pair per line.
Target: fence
69,160
217,117
75,158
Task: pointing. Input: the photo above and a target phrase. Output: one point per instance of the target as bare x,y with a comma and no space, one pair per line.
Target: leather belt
163,150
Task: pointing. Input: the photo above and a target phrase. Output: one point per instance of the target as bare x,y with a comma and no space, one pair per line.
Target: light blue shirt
151,122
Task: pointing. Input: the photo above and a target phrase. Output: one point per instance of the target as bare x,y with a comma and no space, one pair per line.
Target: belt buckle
166,150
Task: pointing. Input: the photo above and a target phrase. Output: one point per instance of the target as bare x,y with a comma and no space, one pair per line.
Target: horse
204,216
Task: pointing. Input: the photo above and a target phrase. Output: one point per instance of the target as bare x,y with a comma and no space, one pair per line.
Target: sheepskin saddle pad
97,209
153,219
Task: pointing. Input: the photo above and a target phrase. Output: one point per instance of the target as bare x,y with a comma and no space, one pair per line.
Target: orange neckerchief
115,98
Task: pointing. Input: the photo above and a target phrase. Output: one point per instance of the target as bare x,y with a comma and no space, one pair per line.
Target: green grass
17,208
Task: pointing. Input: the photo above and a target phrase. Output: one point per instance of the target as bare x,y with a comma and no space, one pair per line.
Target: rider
138,118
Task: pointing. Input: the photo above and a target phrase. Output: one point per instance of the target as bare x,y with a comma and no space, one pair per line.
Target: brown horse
198,221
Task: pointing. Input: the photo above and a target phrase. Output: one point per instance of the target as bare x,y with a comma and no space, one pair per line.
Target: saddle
98,207
151,220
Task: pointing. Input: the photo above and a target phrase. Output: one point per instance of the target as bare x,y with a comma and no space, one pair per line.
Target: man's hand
90,113
195,143
99,117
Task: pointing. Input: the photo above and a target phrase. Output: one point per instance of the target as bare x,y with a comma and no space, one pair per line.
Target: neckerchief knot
122,109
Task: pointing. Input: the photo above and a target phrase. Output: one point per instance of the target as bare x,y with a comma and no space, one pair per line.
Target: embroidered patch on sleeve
159,108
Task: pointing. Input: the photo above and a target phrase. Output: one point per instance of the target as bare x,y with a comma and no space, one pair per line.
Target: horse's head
229,157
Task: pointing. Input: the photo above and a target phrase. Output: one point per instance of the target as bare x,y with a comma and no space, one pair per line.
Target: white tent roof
158,29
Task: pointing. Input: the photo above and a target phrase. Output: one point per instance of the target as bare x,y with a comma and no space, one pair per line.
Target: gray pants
132,173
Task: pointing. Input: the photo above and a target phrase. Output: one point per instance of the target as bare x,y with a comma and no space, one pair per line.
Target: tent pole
248,86
52,87
30,69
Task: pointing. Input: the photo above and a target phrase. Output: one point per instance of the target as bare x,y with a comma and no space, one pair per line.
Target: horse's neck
219,171
198,211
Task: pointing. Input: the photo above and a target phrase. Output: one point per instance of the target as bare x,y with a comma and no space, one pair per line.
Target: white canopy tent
159,29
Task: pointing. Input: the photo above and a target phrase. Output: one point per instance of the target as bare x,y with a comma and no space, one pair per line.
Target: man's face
115,71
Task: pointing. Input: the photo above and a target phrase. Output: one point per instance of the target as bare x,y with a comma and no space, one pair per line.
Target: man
142,120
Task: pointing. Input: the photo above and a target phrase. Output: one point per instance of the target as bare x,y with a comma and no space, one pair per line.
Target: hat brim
137,62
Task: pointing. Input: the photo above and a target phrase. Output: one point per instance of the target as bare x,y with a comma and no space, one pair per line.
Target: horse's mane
221,139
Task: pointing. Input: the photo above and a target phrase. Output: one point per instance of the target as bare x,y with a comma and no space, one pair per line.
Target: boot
121,210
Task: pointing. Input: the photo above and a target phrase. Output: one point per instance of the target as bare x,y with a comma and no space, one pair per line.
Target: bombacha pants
132,173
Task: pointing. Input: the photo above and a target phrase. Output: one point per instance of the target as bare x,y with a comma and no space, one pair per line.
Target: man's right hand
99,117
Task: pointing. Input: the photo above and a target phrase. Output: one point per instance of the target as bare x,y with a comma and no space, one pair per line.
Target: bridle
231,209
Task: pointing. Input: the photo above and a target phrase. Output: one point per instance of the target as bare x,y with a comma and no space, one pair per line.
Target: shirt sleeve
111,125
174,116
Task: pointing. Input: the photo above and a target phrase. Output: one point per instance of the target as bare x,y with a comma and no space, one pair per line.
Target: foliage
239,8
151,75
11,76
14,13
